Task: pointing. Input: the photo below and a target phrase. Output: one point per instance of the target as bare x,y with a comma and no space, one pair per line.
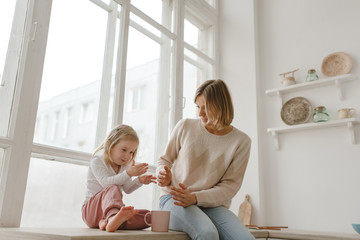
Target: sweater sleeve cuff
201,199
198,198
127,175
137,181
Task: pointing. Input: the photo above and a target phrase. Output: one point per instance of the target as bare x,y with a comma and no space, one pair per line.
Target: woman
203,168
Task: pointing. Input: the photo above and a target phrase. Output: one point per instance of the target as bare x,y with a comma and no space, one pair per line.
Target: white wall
237,69
313,181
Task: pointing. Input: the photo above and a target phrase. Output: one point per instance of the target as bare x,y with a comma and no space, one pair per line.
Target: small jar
320,114
311,76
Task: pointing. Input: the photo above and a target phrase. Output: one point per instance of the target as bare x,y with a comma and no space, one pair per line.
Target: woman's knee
163,200
207,233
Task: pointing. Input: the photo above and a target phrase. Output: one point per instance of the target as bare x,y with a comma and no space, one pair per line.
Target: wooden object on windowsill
245,210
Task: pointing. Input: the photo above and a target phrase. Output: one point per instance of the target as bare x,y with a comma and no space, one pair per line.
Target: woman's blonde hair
218,104
121,132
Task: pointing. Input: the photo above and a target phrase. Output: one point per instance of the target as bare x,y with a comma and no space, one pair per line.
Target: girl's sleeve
132,184
104,176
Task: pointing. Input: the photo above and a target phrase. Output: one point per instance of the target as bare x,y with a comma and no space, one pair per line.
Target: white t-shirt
101,175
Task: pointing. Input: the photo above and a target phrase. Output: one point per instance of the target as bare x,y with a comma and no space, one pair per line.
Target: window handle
34,31
2,81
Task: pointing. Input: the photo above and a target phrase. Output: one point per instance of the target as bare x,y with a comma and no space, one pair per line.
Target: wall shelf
336,81
348,122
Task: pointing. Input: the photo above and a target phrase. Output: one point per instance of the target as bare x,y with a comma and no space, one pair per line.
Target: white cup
159,220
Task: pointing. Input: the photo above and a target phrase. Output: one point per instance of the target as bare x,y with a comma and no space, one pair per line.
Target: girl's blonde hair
121,132
218,104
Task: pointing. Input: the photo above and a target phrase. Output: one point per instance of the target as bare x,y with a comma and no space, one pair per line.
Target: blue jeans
205,223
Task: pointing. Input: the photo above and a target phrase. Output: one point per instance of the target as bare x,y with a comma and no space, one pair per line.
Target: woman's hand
137,170
164,177
182,196
146,179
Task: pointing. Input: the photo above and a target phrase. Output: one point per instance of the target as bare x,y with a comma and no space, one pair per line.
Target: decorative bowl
296,110
356,227
336,64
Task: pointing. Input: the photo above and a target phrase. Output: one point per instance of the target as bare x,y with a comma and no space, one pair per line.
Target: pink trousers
107,203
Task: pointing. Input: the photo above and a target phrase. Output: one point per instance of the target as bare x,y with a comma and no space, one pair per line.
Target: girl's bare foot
124,214
102,224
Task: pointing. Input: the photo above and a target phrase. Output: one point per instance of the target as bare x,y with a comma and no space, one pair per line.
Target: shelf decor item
335,64
311,76
296,110
320,114
288,80
346,113
356,227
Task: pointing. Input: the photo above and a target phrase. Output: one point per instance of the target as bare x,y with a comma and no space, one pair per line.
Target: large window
106,62
72,74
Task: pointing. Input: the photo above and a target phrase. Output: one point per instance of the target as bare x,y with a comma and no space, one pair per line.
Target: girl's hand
164,177
146,179
137,170
182,196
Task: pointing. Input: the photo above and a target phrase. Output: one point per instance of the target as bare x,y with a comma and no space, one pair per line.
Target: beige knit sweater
211,166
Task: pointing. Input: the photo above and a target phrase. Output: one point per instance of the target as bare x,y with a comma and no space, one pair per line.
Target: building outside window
44,121
55,127
106,63
135,101
87,110
68,118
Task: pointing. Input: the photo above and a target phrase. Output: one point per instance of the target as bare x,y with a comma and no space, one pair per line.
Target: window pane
198,36
195,73
72,75
211,2
8,75
145,25
54,195
141,91
205,67
6,18
191,33
191,82
151,8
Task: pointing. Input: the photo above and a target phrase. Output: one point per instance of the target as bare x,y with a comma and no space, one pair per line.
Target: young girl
109,174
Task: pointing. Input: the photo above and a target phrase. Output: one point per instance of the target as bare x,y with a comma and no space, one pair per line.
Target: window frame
19,142
19,146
